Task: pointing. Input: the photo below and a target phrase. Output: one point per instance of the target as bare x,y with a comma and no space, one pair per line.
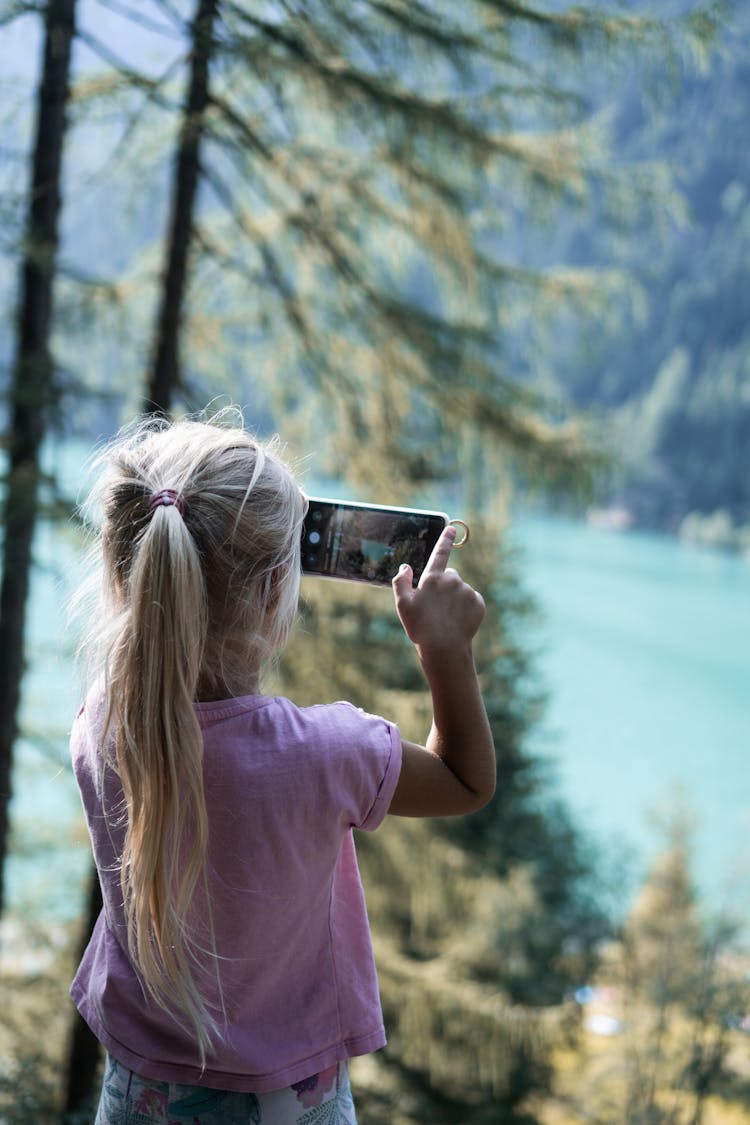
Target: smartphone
367,542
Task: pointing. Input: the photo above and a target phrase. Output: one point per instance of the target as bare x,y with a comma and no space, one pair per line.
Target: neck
214,689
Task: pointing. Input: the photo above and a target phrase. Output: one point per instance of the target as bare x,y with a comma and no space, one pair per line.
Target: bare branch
175,30
135,79
241,125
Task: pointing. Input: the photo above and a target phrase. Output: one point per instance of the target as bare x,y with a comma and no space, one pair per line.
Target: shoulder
341,722
89,721
86,749
277,713
363,758
275,725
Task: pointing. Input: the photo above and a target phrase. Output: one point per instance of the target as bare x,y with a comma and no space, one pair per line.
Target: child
230,976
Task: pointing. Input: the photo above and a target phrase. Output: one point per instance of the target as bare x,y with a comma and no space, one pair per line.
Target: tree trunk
165,375
84,1051
31,390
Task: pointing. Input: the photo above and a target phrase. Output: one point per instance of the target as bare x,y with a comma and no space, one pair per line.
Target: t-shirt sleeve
382,802
368,765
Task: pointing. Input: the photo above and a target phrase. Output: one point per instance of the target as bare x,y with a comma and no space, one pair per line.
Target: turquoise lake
645,650
643,646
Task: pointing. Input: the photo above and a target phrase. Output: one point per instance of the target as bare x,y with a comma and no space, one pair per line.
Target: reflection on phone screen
367,544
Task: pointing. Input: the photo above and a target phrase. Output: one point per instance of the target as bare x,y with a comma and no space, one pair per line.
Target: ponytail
152,677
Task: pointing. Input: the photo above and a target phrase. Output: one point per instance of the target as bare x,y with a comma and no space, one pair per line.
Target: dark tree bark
165,375
84,1050
31,391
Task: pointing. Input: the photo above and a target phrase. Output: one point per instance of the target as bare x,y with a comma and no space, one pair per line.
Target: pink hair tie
166,498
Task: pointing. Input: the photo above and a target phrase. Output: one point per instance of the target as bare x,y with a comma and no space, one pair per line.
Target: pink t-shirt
284,788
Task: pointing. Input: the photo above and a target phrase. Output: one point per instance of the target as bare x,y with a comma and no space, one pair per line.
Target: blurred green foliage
361,278
668,374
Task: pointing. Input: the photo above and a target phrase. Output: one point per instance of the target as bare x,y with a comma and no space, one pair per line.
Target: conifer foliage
343,180
678,986
481,924
342,177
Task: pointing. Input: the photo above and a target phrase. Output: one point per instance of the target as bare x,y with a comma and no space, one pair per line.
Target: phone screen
367,542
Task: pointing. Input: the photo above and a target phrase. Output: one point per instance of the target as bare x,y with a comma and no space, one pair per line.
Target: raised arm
454,773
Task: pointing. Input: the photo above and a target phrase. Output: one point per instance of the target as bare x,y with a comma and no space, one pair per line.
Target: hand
443,613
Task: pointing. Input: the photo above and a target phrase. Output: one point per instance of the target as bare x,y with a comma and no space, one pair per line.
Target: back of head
200,543
236,524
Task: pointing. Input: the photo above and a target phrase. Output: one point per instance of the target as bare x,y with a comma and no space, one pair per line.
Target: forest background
483,255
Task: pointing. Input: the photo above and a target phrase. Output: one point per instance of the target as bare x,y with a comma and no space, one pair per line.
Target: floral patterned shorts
127,1099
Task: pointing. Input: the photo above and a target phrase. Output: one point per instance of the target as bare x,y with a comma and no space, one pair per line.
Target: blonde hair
197,597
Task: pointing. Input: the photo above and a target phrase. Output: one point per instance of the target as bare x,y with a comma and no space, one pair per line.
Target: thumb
402,582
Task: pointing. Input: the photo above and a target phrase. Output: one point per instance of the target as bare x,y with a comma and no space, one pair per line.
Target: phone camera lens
314,538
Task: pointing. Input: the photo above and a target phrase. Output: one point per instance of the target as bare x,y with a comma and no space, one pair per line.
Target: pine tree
163,379
680,985
345,178
31,392
483,923
356,165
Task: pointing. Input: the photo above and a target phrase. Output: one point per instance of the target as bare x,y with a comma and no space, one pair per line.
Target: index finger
441,553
